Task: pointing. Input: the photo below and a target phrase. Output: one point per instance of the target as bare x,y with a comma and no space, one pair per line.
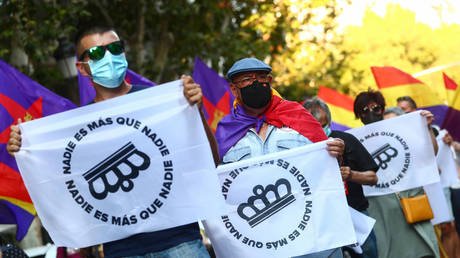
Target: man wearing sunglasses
261,122
101,57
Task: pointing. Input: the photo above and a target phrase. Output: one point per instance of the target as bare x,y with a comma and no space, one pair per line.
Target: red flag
341,107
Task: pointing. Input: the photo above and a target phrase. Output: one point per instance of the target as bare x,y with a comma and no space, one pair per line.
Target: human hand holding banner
131,164
282,204
402,148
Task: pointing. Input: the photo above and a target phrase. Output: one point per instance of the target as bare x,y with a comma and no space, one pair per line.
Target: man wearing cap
261,122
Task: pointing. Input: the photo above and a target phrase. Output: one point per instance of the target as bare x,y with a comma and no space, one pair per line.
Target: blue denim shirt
251,145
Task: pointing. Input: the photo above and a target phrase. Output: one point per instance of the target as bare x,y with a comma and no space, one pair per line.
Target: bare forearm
456,145
363,177
433,140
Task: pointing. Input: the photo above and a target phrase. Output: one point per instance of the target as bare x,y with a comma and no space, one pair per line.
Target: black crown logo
97,176
260,206
383,155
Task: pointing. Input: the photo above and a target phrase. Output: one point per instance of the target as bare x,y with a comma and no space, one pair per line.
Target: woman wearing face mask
395,237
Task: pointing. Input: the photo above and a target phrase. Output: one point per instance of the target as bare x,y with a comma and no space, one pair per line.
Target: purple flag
451,123
20,97
87,92
217,98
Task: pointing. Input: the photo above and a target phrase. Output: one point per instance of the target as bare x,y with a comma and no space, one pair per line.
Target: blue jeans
370,247
331,253
192,249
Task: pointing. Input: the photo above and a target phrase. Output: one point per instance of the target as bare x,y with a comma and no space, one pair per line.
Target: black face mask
371,117
256,95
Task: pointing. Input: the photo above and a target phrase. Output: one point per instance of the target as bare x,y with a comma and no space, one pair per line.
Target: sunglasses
247,80
98,52
375,108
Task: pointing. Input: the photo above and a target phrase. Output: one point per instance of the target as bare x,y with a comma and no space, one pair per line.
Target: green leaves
298,38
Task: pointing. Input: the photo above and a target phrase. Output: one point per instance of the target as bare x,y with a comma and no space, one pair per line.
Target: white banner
283,204
363,225
126,165
446,162
438,203
403,150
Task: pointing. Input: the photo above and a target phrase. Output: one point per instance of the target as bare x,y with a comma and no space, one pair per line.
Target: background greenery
302,40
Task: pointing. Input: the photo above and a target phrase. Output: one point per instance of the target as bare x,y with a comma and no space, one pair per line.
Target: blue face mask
109,71
327,130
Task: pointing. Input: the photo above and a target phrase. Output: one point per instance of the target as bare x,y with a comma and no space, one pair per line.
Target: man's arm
211,139
194,95
430,118
367,177
450,141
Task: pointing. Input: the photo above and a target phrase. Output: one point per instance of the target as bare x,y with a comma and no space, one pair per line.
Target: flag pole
435,69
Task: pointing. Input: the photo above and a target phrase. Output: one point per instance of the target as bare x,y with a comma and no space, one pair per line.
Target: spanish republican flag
341,107
217,98
394,83
450,87
20,97
452,119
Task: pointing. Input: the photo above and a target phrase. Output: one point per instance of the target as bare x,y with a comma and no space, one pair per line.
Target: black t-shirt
139,244
357,158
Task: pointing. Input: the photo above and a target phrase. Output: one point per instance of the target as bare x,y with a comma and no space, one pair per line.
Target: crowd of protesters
256,121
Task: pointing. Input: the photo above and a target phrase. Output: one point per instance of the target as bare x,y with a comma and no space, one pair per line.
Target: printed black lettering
293,235
83,132
125,221
70,184
88,208
133,219
78,136
92,126
277,244
164,191
116,221
73,193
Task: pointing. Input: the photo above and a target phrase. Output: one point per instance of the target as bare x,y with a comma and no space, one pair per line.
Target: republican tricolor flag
20,97
341,107
217,98
451,87
452,119
394,83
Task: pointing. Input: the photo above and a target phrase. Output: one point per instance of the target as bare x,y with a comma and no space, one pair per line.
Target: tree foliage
164,36
298,38
395,39
303,44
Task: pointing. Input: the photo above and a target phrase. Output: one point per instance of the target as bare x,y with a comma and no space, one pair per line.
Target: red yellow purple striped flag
341,107
394,83
452,119
20,97
217,98
451,87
